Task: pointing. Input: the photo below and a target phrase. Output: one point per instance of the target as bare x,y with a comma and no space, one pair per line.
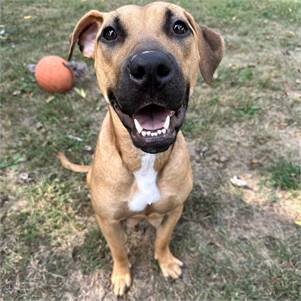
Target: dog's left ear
210,46
85,33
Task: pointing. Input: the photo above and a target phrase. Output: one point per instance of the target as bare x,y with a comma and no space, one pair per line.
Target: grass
285,175
236,244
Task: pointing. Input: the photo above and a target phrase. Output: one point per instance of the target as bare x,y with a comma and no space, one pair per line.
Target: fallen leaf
81,92
290,34
39,125
223,159
88,148
31,68
17,92
49,99
75,138
294,95
237,182
24,177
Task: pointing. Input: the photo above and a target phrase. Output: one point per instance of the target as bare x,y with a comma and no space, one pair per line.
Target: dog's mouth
153,127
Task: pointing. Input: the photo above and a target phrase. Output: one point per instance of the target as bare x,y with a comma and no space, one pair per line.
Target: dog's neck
131,155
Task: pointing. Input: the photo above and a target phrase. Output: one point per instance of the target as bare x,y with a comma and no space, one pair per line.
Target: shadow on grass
227,258
224,259
93,253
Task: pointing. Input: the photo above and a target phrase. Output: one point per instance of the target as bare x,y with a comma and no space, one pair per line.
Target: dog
147,60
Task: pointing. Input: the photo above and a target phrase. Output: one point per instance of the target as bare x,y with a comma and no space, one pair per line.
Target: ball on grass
53,76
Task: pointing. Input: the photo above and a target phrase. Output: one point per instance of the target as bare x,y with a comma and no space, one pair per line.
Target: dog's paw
121,280
170,265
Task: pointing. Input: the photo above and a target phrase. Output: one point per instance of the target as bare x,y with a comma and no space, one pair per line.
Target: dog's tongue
152,117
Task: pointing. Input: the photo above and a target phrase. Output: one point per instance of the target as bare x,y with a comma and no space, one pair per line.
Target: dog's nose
151,67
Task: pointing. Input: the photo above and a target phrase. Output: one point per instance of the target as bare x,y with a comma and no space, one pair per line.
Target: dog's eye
180,27
109,34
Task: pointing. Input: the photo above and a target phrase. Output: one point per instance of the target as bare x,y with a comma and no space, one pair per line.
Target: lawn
238,243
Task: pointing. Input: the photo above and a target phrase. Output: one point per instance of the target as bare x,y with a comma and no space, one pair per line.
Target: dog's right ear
85,33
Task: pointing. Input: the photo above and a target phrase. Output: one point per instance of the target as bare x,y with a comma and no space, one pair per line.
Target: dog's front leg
169,264
115,236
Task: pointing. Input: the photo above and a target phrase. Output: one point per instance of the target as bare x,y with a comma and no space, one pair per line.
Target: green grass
250,275
93,254
285,175
236,244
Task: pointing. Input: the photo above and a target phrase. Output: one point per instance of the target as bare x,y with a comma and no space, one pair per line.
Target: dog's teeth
167,121
148,133
138,126
143,133
155,134
159,132
152,134
164,131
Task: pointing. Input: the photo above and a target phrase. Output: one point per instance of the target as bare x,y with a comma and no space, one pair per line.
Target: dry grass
237,244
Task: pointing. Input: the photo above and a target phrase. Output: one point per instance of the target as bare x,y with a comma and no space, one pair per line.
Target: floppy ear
210,46
85,33
211,49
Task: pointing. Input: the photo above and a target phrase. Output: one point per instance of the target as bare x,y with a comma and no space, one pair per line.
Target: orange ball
53,76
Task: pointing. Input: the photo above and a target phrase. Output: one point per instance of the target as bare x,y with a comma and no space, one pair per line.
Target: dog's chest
146,180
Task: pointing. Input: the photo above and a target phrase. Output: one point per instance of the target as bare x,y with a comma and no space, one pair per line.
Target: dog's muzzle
151,99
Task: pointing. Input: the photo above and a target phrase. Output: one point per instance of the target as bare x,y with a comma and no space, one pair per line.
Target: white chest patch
146,177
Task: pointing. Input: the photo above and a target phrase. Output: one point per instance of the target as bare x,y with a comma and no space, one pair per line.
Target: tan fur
110,177
69,165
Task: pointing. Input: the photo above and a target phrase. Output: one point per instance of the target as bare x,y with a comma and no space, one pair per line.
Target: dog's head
147,61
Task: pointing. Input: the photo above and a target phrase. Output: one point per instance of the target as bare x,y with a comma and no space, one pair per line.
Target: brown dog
146,60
